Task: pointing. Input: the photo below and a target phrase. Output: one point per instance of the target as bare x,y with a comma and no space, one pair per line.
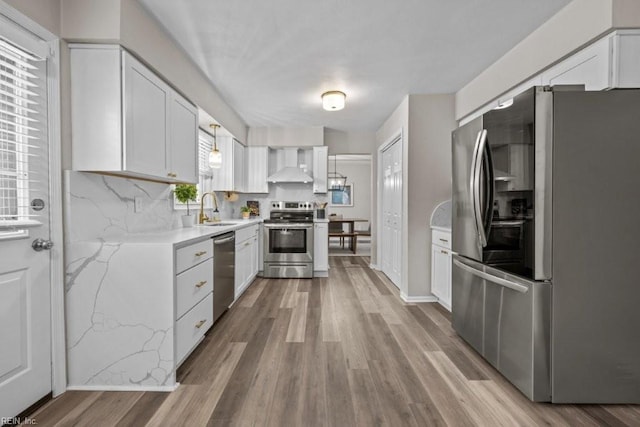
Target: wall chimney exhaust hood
290,172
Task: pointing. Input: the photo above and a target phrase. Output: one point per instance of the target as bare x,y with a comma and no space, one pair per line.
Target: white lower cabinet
321,249
246,264
191,327
441,267
193,296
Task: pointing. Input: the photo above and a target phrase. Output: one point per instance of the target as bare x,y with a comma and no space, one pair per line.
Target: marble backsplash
103,206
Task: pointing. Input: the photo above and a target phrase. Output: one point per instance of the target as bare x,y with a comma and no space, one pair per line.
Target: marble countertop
179,236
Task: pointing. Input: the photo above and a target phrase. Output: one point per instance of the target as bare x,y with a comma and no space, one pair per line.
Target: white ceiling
271,60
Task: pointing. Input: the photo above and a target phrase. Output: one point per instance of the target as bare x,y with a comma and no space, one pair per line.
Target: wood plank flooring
337,351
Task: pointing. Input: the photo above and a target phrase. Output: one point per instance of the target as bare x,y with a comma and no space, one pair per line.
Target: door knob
41,244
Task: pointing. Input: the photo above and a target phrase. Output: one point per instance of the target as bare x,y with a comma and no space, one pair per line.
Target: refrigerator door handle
477,168
489,177
472,183
491,278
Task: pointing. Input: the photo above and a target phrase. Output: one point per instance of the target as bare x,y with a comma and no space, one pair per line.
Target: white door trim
58,340
396,137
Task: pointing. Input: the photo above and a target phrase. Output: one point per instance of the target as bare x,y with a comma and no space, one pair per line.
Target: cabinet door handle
444,240
200,323
201,253
201,284
247,243
172,175
444,252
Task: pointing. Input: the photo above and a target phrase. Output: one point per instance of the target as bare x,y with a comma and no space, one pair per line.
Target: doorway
350,205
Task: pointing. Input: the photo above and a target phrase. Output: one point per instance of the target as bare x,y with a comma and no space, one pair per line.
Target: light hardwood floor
342,351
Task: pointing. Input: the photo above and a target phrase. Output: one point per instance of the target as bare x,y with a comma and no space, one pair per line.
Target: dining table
350,233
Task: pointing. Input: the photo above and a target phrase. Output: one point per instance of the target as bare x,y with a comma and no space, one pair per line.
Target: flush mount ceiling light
215,157
333,100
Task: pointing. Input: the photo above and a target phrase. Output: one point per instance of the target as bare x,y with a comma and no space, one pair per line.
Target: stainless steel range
288,240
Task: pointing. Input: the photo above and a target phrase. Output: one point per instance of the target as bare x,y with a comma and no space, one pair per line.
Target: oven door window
288,241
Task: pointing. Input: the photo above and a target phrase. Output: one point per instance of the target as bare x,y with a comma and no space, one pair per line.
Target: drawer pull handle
201,253
247,243
444,252
200,323
444,240
201,284
172,175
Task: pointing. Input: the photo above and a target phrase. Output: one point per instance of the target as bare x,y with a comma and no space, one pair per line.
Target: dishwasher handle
223,241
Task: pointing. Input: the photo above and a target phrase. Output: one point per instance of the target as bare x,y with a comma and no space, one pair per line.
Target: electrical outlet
138,204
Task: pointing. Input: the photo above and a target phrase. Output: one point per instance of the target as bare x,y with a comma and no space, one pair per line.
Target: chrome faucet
202,217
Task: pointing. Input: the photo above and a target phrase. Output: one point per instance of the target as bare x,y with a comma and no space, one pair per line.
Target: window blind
22,141
205,144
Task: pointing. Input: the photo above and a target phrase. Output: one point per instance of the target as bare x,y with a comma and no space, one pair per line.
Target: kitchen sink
218,224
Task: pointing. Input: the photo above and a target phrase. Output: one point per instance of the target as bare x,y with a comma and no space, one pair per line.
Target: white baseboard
165,388
320,274
427,298
374,267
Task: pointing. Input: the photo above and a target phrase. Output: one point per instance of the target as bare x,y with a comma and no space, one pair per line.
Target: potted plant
186,193
245,212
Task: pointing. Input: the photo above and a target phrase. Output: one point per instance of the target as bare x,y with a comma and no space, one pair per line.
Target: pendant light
337,181
215,157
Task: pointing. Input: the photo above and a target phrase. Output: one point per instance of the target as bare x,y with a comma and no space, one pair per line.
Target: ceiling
271,60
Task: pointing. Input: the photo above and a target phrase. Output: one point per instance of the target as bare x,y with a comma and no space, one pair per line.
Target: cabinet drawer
441,238
246,233
194,254
193,285
192,327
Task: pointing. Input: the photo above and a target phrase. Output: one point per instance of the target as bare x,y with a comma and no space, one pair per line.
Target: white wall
358,174
431,120
426,122
357,142
45,13
286,136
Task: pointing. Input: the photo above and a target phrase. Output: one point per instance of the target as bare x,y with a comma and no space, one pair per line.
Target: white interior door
25,281
391,242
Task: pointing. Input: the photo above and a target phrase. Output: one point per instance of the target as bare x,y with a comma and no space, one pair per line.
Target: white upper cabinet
183,161
611,62
320,159
146,140
589,67
256,169
128,121
238,167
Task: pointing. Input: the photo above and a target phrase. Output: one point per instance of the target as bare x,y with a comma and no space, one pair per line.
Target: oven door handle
288,226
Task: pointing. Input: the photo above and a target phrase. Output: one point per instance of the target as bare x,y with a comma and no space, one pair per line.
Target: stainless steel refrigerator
546,242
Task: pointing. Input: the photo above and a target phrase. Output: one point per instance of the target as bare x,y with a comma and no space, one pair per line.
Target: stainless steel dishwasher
224,260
